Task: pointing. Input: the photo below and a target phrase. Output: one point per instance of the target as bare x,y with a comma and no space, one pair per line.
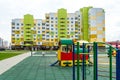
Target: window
27,28
56,18
38,24
17,35
17,38
51,28
43,34
43,31
34,35
52,25
71,21
93,32
17,24
47,39
47,28
76,18
13,31
27,31
47,25
47,35
62,22
34,24
38,42
62,29
43,38
28,24
13,34
17,27
51,17
43,23
47,32
43,27
51,39
13,38
62,18
13,27
51,21
71,18
62,33
38,31
21,24
13,23
76,35
100,36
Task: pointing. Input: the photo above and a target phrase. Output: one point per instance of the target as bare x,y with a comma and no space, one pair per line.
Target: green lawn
9,53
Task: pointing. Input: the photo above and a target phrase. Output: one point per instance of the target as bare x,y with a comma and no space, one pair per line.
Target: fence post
73,57
118,65
78,60
110,61
95,55
83,62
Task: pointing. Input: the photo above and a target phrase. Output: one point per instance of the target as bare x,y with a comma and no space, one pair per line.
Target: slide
54,63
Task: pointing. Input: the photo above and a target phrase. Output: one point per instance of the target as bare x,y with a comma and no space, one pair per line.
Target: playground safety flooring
38,68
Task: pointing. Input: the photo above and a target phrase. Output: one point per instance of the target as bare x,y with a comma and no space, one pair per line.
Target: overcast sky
10,9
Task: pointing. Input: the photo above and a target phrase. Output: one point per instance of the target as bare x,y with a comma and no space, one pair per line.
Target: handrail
105,44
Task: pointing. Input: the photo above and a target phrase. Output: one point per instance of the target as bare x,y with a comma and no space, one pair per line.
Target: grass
10,53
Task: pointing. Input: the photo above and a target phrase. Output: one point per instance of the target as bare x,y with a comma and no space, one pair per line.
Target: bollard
118,65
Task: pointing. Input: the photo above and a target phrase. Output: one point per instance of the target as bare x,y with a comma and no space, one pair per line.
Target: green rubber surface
38,68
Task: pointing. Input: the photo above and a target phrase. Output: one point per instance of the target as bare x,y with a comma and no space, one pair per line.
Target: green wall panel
62,22
85,23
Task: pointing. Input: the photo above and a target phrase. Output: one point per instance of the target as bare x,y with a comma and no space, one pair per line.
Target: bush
2,49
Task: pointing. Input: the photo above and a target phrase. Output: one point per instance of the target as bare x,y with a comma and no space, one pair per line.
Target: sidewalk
10,62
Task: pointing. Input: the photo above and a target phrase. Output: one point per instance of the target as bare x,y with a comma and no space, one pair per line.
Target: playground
38,68
98,63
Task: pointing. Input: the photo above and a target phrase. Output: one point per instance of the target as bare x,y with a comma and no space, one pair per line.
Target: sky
11,9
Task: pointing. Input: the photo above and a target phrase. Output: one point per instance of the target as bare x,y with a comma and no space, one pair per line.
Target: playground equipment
66,49
96,72
69,55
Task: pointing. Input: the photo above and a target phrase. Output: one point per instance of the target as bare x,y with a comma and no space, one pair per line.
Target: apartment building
85,24
1,43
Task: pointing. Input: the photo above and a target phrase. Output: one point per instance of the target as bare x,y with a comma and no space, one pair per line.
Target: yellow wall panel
99,14
21,20
103,21
103,28
93,28
93,17
93,40
93,36
99,32
103,39
98,25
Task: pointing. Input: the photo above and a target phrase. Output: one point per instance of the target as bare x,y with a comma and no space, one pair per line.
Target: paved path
10,62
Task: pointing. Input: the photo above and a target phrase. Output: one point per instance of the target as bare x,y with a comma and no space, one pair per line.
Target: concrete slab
10,62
